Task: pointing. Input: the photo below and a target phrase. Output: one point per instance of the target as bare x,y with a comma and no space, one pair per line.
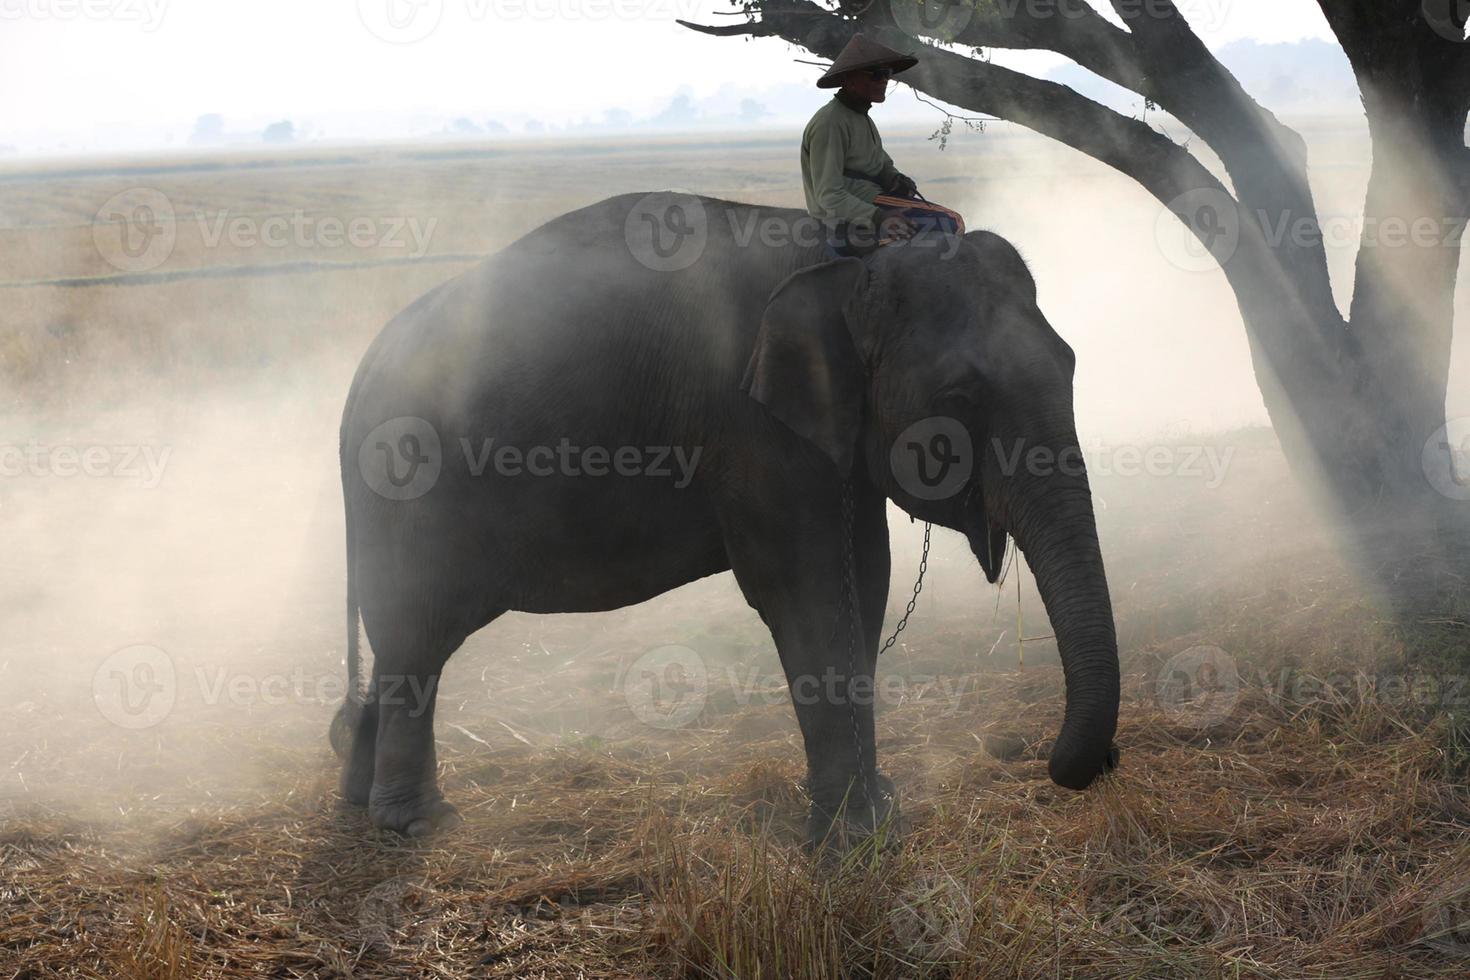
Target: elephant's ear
806,369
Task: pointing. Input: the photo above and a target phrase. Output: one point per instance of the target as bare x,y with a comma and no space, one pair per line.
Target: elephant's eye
954,402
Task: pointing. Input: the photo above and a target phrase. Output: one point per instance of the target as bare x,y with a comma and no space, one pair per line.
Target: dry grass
1308,834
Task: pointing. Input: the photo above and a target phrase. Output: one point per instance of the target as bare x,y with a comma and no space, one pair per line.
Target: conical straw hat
862,53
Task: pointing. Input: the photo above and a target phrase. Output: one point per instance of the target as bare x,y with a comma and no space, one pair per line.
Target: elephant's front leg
824,619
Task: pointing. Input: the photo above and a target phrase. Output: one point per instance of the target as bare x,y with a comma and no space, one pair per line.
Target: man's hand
903,186
895,225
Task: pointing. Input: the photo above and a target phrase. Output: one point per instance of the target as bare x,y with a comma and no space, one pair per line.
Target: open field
172,638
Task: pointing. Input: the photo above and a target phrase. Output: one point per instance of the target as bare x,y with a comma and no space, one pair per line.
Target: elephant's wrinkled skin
787,373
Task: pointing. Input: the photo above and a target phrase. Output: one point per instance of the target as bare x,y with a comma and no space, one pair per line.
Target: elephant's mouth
986,536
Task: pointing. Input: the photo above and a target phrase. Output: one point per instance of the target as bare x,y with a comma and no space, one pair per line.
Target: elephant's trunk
1049,512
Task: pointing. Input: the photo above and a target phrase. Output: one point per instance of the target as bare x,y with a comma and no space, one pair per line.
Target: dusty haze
214,539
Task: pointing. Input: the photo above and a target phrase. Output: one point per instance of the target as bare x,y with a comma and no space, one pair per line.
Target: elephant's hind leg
405,795
392,767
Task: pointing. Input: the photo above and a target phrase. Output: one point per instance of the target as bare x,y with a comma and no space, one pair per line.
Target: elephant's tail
354,633
344,725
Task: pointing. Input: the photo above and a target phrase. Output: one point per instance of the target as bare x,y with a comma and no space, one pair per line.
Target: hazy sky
105,72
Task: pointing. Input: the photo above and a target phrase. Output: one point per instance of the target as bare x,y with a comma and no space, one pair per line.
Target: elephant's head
932,372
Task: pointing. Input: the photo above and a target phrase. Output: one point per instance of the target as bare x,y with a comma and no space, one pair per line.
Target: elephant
801,388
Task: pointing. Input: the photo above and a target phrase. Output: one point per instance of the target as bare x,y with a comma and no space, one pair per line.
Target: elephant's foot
423,817
843,823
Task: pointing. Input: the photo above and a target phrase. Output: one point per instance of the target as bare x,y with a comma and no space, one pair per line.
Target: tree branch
1197,89
1266,160
1073,30
1132,147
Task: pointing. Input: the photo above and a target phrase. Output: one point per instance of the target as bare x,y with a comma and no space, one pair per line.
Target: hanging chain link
849,602
914,599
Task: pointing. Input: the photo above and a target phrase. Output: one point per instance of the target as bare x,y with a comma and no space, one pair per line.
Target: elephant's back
586,311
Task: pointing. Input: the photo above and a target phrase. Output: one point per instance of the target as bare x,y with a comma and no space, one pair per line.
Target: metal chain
914,600
849,601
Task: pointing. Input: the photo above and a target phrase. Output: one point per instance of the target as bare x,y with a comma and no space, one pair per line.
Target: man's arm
889,173
825,156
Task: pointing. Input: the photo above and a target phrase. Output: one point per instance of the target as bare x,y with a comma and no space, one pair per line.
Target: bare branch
749,29
1162,166
1071,28
1194,86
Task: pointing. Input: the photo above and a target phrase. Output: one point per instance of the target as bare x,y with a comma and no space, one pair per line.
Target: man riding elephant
806,395
850,182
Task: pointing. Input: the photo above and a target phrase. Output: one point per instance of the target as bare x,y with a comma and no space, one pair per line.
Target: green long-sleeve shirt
841,138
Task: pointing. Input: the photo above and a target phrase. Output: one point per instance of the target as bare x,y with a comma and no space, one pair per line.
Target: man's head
864,67
868,84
